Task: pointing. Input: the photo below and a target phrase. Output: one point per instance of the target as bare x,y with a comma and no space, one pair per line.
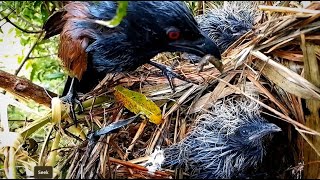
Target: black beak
201,47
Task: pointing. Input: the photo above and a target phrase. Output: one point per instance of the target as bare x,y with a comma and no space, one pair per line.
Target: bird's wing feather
54,24
72,52
76,29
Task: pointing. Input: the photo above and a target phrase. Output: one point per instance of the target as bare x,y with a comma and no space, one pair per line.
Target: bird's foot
203,61
167,71
72,99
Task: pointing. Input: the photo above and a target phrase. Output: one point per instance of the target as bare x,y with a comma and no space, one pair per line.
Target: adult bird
89,50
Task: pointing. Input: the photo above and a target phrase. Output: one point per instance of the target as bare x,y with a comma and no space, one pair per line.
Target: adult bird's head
149,28
166,26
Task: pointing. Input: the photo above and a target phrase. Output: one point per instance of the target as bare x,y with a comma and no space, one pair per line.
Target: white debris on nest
155,160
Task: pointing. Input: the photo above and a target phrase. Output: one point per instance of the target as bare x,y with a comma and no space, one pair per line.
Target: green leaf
20,59
27,13
17,6
138,104
11,30
121,13
37,3
54,75
33,73
44,12
18,32
24,41
1,30
40,75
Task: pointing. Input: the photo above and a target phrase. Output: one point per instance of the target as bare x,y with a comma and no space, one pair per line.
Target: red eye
174,35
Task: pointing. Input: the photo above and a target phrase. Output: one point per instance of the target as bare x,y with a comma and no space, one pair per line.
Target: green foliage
26,19
42,67
192,5
30,16
16,113
121,13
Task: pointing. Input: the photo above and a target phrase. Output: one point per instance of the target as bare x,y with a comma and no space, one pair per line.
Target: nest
270,60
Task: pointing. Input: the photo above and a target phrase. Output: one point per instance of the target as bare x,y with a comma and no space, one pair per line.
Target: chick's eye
244,132
173,35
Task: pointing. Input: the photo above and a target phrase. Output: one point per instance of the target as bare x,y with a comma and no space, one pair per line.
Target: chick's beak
268,128
203,47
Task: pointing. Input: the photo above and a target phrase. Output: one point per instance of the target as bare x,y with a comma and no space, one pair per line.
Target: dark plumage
227,23
89,50
225,143
139,37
